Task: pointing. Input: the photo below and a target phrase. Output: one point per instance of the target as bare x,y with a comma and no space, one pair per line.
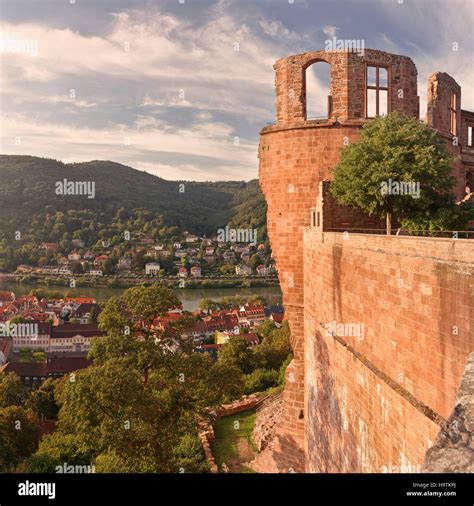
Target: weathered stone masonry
364,405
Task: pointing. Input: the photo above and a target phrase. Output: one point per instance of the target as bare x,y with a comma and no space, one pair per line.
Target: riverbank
116,281
189,297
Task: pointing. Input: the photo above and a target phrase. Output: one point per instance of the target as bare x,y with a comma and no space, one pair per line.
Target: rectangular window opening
453,111
377,91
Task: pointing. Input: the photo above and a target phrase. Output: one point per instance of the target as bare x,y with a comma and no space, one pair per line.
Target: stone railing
268,414
453,451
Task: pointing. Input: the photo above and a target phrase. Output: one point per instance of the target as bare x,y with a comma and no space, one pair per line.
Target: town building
152,269
196,271
243,270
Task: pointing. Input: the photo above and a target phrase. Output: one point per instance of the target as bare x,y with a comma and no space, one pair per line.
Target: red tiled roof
277,317
24,369
81,300
67,364
251,338
47,426
71,330
53,365
210,346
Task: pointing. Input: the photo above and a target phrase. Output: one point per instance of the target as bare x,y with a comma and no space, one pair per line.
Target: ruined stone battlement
346,99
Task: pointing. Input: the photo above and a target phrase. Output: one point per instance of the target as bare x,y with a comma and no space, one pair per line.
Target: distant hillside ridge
123,197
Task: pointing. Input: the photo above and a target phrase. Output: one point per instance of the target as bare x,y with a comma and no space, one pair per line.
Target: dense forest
125,199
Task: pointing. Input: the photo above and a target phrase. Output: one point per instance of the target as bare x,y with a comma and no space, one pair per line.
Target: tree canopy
399,166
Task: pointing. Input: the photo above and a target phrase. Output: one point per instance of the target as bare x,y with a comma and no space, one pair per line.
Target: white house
243,270
152,268
192,238
32,335
74,256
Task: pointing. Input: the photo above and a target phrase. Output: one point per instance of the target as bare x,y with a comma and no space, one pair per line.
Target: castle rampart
319,279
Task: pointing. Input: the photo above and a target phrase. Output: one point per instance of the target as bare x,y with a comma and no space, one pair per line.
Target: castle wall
376,401
292,162
296,155
441,90
347,92
467,119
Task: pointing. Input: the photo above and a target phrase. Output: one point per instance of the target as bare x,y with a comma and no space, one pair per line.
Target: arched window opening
318,83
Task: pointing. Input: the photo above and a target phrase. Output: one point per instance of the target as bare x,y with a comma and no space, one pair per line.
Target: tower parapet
350,72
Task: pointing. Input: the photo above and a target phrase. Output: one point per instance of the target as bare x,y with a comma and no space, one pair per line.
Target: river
189,297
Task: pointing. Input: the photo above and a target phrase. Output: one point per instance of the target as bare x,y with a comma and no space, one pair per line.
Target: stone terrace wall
336,217
376,403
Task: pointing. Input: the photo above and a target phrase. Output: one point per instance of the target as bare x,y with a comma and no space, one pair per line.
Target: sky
181,88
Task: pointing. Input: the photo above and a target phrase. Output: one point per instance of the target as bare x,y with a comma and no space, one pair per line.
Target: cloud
150,64
330,30
276,29
211,145
173,83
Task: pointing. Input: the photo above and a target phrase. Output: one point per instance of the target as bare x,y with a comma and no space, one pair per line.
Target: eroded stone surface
453,451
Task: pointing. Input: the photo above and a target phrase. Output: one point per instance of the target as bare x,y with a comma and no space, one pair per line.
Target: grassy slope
234,446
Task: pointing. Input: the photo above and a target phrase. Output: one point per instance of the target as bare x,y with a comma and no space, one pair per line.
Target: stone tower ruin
374,404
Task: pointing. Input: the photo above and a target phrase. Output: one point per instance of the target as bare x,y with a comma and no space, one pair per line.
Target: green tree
94,315
42,400
260,380
38,463
396,149
274,349
18,436
267,327
76,268
207,305
237,352
136,409
109,266
189,456
12,391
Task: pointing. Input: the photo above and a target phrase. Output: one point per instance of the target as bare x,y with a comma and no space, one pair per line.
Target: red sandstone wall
292,162
338,218
347,84
467,119
295,156
377,402
441,87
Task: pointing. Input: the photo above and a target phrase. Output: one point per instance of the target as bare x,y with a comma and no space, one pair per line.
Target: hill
27,186
124,199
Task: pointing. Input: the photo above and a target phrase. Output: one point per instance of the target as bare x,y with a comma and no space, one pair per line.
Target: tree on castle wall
399,167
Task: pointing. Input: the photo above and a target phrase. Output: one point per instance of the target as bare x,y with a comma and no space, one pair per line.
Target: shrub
260,380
